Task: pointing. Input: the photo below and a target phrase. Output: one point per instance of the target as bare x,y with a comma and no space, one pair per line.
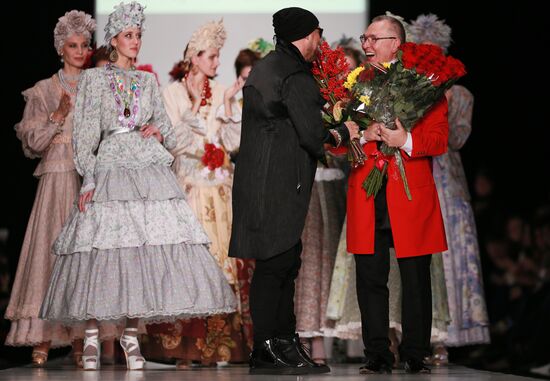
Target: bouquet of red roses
330,70
404,89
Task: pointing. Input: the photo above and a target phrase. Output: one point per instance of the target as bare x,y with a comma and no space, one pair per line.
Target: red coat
417,225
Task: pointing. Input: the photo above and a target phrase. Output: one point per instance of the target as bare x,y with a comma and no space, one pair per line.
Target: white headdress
73,22
210,35
430,28
123,17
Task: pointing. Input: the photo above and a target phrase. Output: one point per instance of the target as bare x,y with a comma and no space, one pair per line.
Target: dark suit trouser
373,296
272,295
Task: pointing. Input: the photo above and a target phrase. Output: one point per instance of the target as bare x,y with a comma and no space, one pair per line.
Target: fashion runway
60,370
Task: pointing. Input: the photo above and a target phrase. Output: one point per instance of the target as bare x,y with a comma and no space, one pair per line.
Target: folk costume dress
469,323
58,187
208,191
137,251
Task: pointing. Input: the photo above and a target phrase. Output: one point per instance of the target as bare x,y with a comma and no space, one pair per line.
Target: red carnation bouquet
330,70
404,89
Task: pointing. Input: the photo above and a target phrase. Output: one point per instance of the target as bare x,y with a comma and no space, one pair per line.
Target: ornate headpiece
123,17
73,22
430,28
261,46
210,35
406,26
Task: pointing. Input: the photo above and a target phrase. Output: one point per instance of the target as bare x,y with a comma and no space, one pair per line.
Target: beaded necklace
64,81
126,99
206,92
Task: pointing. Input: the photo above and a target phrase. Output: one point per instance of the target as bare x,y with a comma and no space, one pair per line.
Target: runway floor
63,370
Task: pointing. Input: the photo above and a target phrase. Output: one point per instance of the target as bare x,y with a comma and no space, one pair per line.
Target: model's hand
63,108
234,88
150,130
394,138
84,199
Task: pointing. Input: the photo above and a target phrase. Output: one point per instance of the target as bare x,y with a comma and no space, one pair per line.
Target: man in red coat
413,227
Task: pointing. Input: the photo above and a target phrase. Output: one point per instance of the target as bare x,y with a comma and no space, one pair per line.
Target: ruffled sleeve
35,130
161,119
87,129
190,130
230,129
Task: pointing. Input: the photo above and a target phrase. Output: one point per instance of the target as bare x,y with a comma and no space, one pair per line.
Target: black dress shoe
416,366
266,358
375,366
294,350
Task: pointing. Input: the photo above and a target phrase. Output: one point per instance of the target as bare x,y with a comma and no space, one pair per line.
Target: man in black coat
282,139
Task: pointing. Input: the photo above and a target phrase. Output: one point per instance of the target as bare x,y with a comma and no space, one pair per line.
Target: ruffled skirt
136,252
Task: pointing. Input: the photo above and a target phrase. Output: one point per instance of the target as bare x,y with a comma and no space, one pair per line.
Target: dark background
502,48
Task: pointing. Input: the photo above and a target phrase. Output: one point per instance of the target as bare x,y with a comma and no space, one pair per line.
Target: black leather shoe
294,350
377,366
416,366
266,358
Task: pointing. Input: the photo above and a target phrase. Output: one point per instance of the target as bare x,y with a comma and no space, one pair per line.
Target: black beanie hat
294,23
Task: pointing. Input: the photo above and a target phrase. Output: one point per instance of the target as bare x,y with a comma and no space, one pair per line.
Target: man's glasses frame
374,39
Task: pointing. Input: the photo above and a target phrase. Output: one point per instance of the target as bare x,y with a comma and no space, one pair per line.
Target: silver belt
118,130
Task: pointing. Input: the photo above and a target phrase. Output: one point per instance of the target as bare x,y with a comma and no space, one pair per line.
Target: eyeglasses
320,32
373,39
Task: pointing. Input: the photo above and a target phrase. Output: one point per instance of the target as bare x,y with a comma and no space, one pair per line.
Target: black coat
282,140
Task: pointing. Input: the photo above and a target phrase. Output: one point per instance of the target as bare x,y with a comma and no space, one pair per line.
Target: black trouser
372,294
272,295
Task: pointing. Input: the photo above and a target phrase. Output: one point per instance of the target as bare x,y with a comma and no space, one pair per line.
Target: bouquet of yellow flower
405,89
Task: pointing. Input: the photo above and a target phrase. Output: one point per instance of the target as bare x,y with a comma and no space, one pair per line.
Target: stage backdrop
170,23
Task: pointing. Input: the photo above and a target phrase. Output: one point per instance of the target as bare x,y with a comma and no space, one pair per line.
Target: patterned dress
57,190
138,250
320,242
208,191
469,321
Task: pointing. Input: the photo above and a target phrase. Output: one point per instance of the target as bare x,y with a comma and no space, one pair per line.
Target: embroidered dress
219,338
320,238
469,320
137,251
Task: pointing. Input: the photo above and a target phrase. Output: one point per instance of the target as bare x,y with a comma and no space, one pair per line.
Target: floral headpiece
73,22
261,46
210,35
408,33
123,17
430,28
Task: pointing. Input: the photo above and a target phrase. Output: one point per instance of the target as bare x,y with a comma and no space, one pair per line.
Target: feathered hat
430,28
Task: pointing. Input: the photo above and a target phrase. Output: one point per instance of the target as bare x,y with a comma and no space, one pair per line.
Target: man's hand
394,138
373,132
353,129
